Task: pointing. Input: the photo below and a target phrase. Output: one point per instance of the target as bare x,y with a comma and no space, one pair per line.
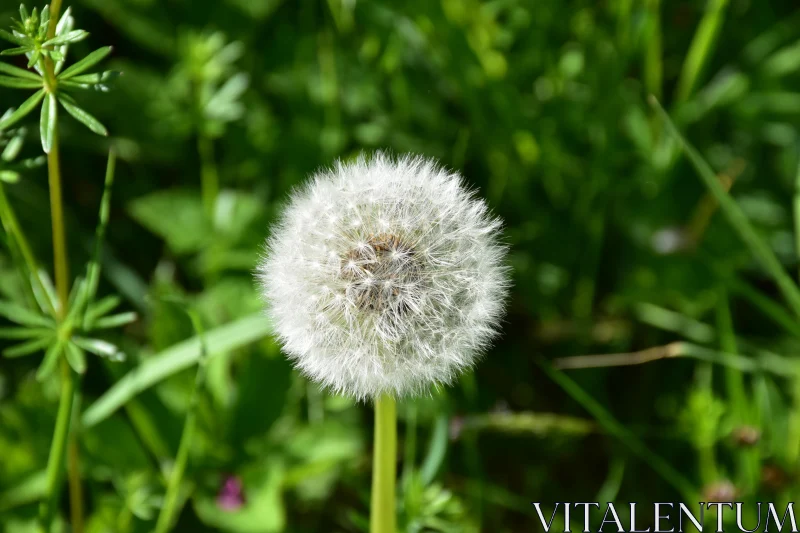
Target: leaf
114,321
18,83
50,361
99,347
48,122
10,37
9,176
436,451
82,116
26,107
19,72
101,307
736,217
13,147
15,51
23,333
75,357
86,63
174,359
176,215
20,315
70,37
27,348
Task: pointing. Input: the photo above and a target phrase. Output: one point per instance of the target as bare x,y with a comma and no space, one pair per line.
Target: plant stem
383,517
170,508
62,435
209,177
58,446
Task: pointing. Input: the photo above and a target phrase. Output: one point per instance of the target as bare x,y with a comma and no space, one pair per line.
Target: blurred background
617,247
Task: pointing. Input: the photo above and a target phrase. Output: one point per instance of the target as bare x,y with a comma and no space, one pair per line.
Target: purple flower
231,494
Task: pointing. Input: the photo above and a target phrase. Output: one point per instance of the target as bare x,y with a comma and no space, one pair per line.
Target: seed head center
380,273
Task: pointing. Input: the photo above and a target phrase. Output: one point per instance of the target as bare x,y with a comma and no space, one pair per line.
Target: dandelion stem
384,467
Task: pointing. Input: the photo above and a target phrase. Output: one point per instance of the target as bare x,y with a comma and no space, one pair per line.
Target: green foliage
662,238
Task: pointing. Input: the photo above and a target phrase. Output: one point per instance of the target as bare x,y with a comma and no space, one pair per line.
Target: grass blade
618,430
736,216
174,359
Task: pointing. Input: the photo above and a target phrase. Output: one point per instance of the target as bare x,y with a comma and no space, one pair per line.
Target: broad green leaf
20,315
9,176
50,361
70,37
114,321
11,70
48,122
82,116
176,215
174,359
437,450
86,63
19,83
20,113
75,357
29,347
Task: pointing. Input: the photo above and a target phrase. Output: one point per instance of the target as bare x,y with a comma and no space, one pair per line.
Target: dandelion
385,277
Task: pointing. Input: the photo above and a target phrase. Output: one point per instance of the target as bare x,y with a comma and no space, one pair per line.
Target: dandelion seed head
385,276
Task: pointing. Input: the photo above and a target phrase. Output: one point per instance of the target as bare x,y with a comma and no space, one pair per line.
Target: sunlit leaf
28,348
82,115
114,321
70,37
50,361
19,72
86,63
20,315
26,107
48,122
19,83
75,357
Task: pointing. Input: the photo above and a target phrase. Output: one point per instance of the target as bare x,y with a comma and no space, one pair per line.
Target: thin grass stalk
170,509
653,65
736,217
383,517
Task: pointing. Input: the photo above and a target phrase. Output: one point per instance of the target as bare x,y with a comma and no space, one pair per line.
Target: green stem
383,517
170,508
209,177
58,447
653,67
63,437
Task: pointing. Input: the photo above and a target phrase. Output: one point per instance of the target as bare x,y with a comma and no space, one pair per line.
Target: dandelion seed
401,286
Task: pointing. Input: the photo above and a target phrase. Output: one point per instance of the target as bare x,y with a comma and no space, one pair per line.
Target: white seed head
385,275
